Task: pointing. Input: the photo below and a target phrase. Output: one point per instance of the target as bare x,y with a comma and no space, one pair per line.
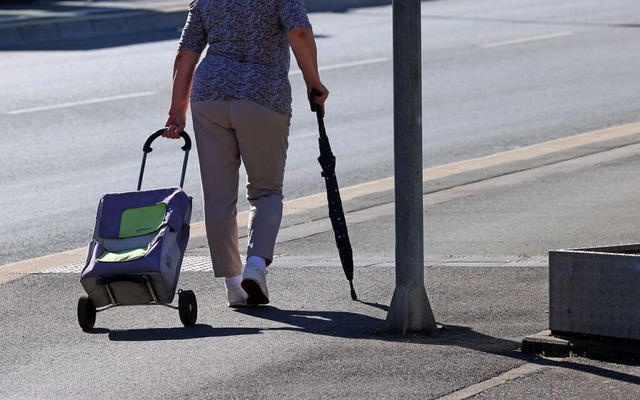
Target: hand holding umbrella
328,163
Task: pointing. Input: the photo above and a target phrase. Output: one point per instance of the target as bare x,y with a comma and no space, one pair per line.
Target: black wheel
188,307
86,313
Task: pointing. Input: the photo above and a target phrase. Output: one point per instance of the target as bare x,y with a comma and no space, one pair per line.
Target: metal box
595,291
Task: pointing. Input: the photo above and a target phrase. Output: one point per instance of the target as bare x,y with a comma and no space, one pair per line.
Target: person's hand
321,94
175,126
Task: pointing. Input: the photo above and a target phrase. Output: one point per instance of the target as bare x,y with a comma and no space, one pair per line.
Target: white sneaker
254,282
237,297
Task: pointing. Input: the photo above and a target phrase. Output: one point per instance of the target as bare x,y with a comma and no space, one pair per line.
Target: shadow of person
329,323
351,325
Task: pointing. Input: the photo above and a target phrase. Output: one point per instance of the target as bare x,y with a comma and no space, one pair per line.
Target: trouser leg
219,158
263,141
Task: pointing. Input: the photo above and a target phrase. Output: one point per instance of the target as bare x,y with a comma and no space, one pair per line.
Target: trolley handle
147,149
147,145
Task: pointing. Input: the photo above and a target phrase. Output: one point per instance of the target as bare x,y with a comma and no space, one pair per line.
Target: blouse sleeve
293,14
194,36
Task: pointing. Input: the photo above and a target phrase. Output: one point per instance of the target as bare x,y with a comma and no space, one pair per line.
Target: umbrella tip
353,292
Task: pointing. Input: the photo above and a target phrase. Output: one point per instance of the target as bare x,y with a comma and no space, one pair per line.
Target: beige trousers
229,133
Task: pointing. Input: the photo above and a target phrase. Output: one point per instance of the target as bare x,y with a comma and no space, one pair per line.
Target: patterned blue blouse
248,54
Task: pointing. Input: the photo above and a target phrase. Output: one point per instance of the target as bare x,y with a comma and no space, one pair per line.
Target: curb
83,27
558,344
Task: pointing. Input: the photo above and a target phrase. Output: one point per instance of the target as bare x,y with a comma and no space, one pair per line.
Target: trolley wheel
188,307
86,313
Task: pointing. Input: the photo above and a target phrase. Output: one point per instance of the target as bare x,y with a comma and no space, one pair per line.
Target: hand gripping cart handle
147,149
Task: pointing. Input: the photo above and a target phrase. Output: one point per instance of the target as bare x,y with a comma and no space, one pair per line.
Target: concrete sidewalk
489,223
28,22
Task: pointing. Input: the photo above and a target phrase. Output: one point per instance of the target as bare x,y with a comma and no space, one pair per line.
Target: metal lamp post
410,310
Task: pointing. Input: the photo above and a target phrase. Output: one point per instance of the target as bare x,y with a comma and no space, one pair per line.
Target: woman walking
240,99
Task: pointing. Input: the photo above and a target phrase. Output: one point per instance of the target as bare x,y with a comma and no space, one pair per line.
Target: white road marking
349,64
516,373
142,94
527,39
78,103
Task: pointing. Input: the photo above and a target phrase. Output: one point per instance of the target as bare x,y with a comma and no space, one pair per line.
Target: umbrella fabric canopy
336,214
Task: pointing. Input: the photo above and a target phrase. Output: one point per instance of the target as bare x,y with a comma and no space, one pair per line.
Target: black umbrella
328,163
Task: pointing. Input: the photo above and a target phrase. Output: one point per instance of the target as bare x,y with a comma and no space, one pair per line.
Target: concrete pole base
410,311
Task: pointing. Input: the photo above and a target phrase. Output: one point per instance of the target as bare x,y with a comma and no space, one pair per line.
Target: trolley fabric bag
138,233
137,248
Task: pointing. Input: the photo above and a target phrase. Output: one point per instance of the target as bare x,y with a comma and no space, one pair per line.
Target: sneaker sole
255,293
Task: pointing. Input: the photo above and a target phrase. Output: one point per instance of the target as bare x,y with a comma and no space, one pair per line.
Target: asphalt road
497,75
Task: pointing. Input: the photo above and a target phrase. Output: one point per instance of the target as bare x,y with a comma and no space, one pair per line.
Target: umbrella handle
317,108
312,100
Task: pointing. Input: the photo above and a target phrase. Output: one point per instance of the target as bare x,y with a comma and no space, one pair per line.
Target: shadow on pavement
352,325
329,323
463,336
82,25
57,6
104,42
97,43
594,370
136,26
344,6
197,331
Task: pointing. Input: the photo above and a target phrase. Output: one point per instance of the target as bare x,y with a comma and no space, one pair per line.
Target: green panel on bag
122,256
143,220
